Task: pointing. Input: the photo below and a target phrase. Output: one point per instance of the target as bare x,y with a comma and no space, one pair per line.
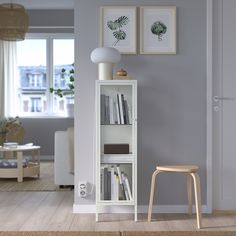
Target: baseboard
84,208
129,209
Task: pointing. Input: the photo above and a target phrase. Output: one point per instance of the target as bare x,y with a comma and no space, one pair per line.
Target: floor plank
52,211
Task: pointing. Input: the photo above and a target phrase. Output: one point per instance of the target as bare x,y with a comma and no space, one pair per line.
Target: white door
224,108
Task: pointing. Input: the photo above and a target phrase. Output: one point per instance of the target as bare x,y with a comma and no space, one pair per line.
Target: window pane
63,59
31,63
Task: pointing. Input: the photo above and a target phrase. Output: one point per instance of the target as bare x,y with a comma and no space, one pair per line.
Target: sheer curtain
8,79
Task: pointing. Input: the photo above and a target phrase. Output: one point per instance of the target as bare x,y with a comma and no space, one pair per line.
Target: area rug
179,233
44,183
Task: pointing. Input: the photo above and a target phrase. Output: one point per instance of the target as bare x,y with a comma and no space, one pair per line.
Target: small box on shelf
116,148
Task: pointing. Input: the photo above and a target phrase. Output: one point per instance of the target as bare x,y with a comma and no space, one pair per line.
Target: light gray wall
41,131
60,21
171,99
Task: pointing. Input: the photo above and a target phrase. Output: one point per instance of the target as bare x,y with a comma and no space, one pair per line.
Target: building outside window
40,60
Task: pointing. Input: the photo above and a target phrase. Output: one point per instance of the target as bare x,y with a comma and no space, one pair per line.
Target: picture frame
158,30
118,28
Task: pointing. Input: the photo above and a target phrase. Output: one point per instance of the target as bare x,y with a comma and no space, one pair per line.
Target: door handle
217,99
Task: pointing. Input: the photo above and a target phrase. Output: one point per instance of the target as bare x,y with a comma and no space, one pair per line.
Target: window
40,60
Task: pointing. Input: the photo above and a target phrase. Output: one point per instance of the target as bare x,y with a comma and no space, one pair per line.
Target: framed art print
158,30
118,28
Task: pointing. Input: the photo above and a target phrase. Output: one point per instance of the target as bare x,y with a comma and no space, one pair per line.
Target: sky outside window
31,52
63,51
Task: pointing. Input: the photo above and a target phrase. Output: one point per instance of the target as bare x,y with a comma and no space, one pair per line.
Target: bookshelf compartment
116,105
116,134
116,182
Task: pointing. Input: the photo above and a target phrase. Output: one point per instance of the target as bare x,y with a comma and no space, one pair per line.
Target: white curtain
8,79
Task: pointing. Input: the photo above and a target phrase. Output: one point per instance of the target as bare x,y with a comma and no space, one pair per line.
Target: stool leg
190,193
197,190
152,194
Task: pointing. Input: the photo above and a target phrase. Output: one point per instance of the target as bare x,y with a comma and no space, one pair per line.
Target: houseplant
67,76
5,122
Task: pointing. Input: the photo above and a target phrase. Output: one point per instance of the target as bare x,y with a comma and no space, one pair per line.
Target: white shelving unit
111,129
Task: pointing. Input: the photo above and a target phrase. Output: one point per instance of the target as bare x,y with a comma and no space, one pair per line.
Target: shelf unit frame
116,158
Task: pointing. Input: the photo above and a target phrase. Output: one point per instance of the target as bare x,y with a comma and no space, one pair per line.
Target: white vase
70,109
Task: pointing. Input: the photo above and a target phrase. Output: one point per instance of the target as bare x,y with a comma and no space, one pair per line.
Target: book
123,108
125,186
102,183
115,118
114,185
117,112
102,109
107,111
126,180
105,183
10,145
120,108
129,113
123,195
108,185
119,173
126,112
111,112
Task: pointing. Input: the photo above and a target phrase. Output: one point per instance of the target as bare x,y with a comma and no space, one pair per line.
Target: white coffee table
33,167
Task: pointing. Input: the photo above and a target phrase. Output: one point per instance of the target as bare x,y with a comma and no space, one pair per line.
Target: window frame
49,37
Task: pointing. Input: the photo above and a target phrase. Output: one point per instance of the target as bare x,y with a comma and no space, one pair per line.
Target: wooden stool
191,172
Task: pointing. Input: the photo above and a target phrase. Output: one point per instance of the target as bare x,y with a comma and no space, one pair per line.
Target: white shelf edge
117,158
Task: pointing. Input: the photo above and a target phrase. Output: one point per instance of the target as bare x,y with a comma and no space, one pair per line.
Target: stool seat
178,168
192,176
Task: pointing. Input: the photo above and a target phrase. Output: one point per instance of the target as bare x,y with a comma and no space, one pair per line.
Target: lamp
14,22
105,57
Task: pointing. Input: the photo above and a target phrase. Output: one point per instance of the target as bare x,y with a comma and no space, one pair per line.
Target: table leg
38,160
19,156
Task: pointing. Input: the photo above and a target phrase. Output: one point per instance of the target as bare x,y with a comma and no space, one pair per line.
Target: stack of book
115,184
10,145
115,110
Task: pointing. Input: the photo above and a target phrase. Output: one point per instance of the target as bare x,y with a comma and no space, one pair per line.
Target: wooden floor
46,211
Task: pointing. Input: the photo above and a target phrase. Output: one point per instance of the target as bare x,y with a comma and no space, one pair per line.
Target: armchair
64,157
